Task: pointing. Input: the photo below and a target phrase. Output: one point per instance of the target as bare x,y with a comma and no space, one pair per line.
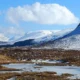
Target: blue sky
26,25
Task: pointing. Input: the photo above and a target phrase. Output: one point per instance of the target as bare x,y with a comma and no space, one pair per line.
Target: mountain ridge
68,41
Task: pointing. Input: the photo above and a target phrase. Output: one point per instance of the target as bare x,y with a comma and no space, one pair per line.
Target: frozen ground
59,69
46,61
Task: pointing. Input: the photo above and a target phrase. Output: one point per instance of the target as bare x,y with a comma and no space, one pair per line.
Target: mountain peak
69,41
75,31
78,25
78,29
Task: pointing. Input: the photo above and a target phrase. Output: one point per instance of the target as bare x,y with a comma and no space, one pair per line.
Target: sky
18,17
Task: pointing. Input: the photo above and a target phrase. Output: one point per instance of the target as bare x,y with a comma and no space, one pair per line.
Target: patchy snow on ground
58,69
46,61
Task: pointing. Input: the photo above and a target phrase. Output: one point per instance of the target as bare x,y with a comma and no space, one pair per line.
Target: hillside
69,41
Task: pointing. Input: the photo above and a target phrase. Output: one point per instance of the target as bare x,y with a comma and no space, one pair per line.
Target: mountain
74,32
28,42
54,35
39,37
44,35
68,41
36,37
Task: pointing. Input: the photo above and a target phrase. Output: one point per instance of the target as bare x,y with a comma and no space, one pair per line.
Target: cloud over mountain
42,13
3,38
11,32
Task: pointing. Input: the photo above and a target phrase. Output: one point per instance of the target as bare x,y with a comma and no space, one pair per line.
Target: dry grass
19,55
4,76
52,64
6,59
34,76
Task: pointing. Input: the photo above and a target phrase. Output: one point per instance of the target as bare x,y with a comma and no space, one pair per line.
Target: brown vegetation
5,59
25,55
35,76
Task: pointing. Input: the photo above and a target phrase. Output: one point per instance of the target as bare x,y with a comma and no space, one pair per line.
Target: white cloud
3,38
42,13
12,31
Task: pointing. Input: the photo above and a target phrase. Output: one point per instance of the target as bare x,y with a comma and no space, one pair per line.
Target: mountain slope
44,35
69,41
24,43
37,37
74,32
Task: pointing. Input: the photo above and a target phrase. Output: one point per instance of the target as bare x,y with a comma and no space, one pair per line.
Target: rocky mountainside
36,37
68,41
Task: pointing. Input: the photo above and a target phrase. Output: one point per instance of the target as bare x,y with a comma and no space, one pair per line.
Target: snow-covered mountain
54,35
39,37
44,35
36,37
69,41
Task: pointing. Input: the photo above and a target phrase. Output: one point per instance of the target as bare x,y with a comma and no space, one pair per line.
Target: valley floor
39,58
